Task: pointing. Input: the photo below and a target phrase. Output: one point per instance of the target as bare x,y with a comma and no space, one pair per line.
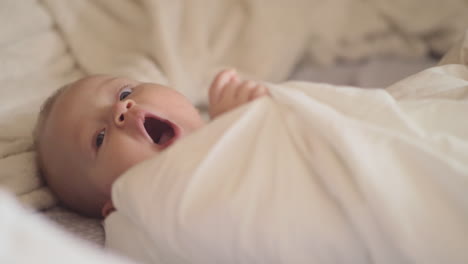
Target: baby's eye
99,139
124,93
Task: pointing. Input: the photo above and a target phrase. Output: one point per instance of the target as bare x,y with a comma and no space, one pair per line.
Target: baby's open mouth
160,131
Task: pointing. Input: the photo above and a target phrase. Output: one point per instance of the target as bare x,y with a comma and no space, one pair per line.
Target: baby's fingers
258,92
245,90
219,83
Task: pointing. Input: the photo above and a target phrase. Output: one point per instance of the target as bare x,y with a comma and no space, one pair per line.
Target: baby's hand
228,92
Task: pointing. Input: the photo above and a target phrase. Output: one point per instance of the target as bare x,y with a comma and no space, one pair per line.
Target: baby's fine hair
41,120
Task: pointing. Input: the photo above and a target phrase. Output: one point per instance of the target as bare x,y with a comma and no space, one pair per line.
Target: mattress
89,229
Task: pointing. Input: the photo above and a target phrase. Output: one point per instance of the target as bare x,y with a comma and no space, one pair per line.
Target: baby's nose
121,108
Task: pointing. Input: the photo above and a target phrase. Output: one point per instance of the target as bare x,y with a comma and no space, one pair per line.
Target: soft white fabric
34,61
317,173
27,238
47,43
184,42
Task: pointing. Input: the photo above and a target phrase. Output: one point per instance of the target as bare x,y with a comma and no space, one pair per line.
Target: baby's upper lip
158,130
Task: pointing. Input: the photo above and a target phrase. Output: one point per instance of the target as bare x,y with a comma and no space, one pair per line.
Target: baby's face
103,125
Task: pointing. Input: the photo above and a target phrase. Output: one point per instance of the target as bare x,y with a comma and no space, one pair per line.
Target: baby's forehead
84,87
73,94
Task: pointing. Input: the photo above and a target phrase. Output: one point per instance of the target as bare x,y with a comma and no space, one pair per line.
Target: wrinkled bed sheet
26,237
318,172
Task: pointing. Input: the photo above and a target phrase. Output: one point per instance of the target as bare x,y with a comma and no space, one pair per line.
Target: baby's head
94,129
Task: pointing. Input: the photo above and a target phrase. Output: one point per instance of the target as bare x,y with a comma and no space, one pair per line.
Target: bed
45,44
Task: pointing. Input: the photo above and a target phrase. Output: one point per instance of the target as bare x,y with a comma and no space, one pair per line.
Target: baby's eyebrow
111,84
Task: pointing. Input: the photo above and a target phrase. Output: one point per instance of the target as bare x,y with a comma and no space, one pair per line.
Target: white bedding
317,173
27,237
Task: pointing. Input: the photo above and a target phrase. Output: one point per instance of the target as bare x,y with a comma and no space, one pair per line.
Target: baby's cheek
120,154
133,155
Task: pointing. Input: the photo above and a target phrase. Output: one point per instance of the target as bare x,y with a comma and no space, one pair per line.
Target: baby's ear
107,209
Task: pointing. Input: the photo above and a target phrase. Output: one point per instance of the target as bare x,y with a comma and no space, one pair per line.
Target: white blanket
317,173
28,238
44,44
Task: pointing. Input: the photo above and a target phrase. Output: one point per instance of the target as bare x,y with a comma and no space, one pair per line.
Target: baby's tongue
166,136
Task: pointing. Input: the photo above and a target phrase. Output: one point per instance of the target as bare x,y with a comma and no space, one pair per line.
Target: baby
92,130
